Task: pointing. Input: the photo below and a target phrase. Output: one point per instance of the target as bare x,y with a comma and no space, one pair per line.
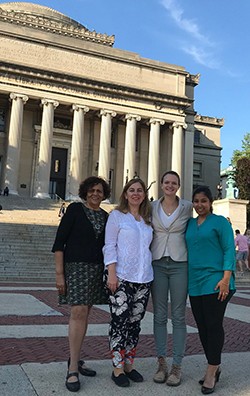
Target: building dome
39,11
47,19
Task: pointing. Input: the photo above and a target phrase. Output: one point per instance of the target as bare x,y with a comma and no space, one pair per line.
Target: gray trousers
170,283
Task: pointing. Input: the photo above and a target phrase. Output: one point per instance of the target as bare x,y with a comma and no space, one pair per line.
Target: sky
210,37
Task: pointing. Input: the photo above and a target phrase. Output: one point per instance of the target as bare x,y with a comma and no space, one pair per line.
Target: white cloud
203,53
188,25
201,56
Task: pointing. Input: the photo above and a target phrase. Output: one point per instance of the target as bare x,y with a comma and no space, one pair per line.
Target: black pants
209,313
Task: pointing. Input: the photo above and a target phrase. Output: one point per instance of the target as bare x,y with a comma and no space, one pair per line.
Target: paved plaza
34,348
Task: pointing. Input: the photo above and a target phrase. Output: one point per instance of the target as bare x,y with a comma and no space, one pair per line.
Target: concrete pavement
30,379
34,348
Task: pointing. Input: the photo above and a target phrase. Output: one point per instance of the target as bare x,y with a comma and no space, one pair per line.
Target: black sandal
72,386
88,372
122,380
134,375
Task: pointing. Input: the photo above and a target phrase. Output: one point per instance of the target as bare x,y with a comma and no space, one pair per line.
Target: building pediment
44,18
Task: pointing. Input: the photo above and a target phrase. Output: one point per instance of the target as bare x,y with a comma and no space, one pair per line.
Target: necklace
169,209
89,207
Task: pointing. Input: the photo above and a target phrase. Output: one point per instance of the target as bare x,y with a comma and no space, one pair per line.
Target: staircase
27,231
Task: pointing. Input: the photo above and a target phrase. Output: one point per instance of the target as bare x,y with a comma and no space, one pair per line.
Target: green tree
244,152
241,162
242,181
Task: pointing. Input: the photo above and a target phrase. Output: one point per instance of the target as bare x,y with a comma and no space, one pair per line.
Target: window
111,178
2,120
137,138
57,166
197,170
114,136
197,137
62,122
1,161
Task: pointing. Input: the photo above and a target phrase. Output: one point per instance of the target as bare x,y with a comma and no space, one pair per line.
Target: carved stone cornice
209,120
193,79
63,27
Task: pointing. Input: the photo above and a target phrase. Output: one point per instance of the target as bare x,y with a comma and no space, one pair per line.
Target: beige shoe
174,378
162,372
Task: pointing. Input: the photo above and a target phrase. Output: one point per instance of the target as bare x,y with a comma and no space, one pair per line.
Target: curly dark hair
89,183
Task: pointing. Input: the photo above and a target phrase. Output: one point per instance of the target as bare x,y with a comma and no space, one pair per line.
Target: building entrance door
58,172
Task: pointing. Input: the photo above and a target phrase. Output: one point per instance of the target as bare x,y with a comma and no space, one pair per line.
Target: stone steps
27,232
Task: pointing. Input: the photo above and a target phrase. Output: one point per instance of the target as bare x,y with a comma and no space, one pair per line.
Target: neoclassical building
72,105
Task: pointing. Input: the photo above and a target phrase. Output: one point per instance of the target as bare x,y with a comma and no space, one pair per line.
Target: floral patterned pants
127,307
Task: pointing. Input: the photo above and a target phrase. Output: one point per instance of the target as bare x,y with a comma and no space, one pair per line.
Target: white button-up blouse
127,243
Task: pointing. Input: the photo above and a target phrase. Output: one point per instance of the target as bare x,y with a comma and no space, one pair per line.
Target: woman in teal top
211,265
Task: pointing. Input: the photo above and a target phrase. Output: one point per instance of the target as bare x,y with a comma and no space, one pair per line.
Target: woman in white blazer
170,215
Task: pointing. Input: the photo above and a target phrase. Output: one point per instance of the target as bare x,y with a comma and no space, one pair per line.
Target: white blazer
173,236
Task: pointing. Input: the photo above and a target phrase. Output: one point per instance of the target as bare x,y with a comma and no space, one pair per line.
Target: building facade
207,152
72,105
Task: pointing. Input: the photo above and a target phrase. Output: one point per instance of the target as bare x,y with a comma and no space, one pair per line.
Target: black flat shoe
134,376
207,391
122,380
88,372
72,386
217,377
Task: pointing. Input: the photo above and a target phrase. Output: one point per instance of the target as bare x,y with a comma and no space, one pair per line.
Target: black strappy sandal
72,386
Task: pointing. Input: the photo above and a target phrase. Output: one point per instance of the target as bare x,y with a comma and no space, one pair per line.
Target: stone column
45,150
154,157
130,147
178,151
105,142
76,150
188,163
14,142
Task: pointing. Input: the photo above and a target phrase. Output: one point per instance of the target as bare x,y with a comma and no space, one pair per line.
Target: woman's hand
60,284
112,282
223,289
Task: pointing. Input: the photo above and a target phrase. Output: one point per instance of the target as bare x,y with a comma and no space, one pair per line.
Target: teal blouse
211,251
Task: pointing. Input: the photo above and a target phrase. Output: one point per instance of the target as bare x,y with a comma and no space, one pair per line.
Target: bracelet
225,284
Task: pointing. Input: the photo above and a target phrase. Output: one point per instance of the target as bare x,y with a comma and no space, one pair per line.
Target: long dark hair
145,208
207,192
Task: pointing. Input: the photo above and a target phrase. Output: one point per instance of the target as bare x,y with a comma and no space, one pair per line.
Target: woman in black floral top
79,267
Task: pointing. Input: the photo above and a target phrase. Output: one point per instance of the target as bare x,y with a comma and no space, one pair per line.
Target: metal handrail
56,197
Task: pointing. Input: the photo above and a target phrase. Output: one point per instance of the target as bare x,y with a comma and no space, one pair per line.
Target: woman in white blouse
128,260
